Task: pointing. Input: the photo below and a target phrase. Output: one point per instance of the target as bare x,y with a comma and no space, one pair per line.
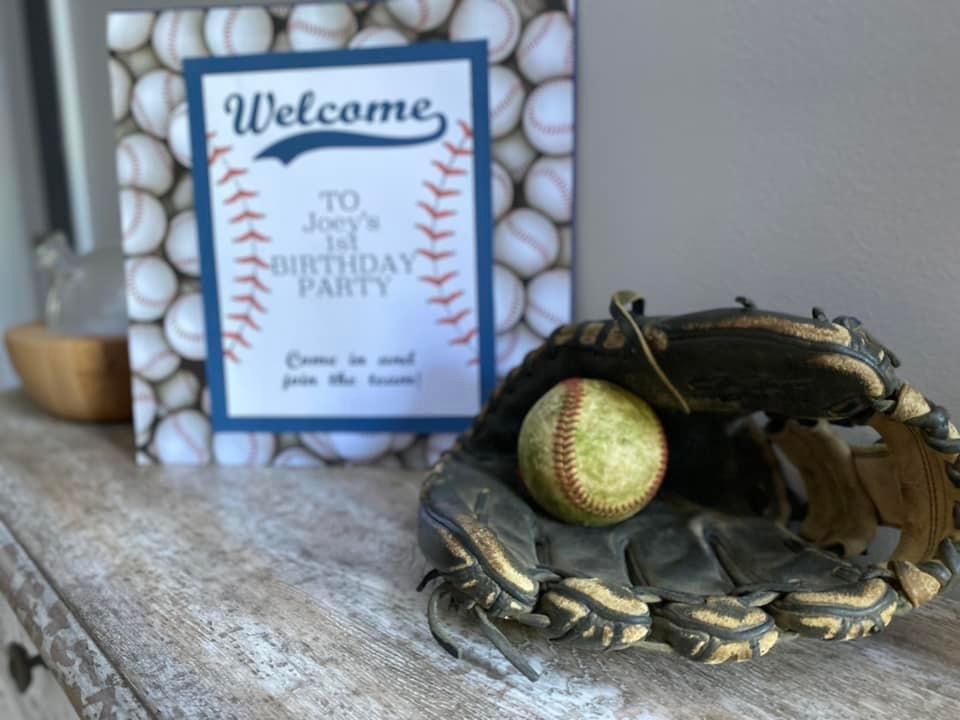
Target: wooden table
262,594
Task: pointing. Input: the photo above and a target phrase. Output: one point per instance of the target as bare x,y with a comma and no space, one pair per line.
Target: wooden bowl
73,377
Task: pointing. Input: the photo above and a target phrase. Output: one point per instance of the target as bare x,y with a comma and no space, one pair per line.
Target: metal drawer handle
21,665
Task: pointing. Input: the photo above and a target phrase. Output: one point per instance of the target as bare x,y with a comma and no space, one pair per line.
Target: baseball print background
530,56
345,230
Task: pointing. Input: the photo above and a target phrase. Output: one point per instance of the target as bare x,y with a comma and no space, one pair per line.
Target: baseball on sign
178,135
150,356
526,241
506,95
143,221
549,301
498,22
151,285
182,246
144,162
182,438
155,96
548,117
238,31
501,197
184,327
419,15
248,449
144,408
378,37
549,187
177,35
321,26
120,85
509,298
513,346
546,49
127,31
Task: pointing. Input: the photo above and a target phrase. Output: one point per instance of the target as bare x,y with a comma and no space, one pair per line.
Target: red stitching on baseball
434,235
529,44
240,195
172,37
246,215
565,458
189,335
558,181
465,338
446,300
136,294
440,192
317,30
434,213
137,213
435,256
230,174
527,238
454,319
511,29
218,152
439,280
540,126
548,315
228,30
447,169
516,89
252,236
253,260
132,159
198,451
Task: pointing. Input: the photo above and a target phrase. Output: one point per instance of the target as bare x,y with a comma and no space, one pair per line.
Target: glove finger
589,611
480,537
721,629
845,613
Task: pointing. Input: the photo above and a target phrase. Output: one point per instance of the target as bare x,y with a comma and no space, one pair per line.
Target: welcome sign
344,221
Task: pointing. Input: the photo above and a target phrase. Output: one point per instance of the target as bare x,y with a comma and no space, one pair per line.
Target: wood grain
269,594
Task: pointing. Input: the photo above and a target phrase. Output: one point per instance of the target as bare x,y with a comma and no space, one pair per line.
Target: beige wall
800,153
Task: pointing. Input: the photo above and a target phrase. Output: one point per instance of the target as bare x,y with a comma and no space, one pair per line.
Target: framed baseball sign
343,222
346,238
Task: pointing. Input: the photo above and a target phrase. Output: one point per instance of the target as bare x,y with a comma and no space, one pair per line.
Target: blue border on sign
194,72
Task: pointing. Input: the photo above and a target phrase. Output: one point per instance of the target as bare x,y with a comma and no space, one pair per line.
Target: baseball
248,449
549,301
546,50
143,162
513,346
296,457
182,438
548,117
420,15
144,408
150,356
178,135
151,286
509,298
184,327
515,154
178,34
355,447
496,21
591,453
320,444
155,96
142,221
120,84
179,391
526,242
438,444
377,37
141,61
506,100
548,187
238,31
182,196
501,196
181,246
127,31
565,258
321,26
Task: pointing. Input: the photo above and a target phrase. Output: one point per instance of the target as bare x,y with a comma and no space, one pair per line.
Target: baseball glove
710,568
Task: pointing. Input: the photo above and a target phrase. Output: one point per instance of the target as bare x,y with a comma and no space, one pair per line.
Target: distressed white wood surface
274,594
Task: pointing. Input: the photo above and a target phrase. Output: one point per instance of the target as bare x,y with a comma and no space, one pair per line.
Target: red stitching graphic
228,31
248,302
455,313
